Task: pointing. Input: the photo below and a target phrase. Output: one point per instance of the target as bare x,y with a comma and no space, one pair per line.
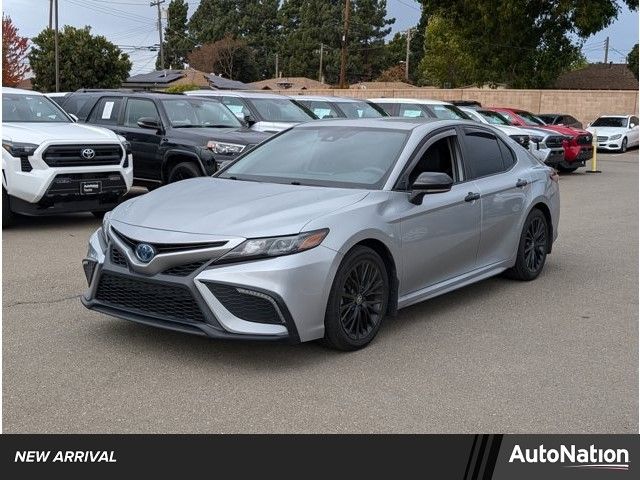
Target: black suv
172,137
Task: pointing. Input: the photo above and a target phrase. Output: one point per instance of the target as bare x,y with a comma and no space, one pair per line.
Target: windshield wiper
205,126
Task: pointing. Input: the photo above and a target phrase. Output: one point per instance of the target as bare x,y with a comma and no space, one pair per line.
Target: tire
532,248
183,171
623,146
567,169
358,300
8,217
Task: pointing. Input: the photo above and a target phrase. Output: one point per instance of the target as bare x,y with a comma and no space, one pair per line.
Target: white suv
52,165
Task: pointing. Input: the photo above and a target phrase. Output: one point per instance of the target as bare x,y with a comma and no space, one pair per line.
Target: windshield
359,110
280,110
31,108
610,122
548,119
320,108
448,112
194,113
335,156
493,118
530,119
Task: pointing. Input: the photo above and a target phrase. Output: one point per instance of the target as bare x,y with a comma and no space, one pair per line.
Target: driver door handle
521,183
471,196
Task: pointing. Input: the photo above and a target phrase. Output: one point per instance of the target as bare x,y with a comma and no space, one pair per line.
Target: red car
578,146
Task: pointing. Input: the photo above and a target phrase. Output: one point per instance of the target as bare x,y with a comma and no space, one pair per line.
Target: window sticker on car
322,112
412,113
108,108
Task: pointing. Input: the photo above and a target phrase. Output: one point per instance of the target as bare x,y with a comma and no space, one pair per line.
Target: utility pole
50,14
320,69
153,4
406,61
343,54
606,50
55,47
277,64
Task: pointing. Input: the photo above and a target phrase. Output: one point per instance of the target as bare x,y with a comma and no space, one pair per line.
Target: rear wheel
532,249
8,217
183,171
358,300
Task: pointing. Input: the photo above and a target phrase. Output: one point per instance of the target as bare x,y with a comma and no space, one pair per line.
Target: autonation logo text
573,457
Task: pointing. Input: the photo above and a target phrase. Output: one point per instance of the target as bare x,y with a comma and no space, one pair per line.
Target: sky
133,23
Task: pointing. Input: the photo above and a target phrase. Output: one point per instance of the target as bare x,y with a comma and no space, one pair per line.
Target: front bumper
294,288
578,154
609,144
550,156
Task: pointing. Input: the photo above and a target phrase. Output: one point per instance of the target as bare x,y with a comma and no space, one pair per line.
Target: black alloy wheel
358,300
183,171
535,244
362,299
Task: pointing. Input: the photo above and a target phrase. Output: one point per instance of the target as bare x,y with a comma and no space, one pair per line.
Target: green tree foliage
177,43
86,61
523,43
632,60
253,21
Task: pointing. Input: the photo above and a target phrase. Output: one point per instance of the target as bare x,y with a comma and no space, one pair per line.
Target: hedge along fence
585,105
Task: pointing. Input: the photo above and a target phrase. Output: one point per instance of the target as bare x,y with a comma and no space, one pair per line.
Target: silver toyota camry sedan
326,229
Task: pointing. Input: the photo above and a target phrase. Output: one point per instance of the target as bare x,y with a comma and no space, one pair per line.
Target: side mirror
150,123
249,120
73,117
429,183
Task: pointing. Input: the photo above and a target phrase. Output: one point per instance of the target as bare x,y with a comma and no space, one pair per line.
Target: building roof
168,78
288,83
221,83
598,76
381,85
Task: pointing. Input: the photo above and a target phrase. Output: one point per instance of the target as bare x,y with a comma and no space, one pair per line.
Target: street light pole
55,47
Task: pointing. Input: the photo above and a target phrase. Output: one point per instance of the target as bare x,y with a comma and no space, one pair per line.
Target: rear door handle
521,183
471,196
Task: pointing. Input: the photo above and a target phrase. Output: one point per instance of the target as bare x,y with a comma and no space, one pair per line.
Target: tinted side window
106,111
483,156
508,157
634,120
138,108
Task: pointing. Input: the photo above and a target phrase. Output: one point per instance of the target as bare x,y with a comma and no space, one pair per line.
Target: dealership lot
555,355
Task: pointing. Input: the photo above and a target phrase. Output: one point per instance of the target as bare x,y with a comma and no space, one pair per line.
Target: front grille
184,270
554,141
117,258
170,247
253,307
164,301
602,139
25,164
69,183
71,155
584,139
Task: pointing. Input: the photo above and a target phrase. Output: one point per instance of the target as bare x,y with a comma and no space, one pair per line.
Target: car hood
272,127
242,136
216,206
607,131
39,132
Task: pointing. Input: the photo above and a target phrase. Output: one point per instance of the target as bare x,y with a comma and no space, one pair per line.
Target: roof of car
132,93
615,116
421,101
233,93
326,98
20,91
396,123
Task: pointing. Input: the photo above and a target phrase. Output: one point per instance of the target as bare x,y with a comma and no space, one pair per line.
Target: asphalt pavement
559,354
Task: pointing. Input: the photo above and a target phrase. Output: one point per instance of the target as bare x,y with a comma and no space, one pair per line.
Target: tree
632,60
14,49
177,43
230,57
392,74
86,61
525,44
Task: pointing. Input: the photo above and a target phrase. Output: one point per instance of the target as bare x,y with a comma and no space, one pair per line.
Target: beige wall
585,105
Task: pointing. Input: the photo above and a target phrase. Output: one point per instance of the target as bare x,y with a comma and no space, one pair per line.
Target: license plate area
90,188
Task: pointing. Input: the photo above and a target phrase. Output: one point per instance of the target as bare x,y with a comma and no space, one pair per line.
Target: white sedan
615,132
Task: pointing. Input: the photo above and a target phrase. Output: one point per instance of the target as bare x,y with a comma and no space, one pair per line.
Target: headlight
18,149
276,246
125,143
222,148
615,137
522,140
106,224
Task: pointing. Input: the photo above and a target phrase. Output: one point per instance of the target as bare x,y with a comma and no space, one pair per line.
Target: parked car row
162,138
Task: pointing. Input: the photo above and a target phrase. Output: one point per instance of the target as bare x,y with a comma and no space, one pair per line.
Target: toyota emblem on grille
88,153
145,252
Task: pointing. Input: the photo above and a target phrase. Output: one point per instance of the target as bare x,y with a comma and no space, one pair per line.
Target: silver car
325,229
